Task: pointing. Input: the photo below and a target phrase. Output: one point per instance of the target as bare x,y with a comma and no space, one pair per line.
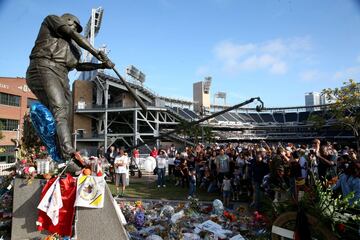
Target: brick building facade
15,99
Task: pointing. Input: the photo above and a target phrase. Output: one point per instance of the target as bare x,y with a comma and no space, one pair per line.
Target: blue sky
275,49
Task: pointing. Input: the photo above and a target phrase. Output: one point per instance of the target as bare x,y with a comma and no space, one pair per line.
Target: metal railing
5,166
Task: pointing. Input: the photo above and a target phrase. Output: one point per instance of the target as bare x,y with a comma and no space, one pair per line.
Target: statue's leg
59,105
52,89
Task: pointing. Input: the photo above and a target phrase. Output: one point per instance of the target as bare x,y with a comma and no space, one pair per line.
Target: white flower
31,170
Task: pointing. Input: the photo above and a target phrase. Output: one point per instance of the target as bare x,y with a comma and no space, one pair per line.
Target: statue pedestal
92,223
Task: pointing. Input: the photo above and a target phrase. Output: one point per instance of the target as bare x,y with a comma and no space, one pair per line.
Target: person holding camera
324,159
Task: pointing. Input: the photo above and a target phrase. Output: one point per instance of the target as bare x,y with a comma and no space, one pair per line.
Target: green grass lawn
149,190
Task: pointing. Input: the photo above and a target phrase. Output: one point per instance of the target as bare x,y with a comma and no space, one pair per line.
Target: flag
90,191
66,213
51,202
98,169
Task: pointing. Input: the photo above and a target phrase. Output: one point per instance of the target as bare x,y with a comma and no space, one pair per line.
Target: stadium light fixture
207,84
135,73
221,95
93,25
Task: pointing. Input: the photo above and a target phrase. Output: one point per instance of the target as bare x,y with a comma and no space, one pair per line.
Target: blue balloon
139,219
45,126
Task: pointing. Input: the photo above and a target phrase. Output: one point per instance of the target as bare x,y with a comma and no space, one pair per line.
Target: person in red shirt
136,153
154,152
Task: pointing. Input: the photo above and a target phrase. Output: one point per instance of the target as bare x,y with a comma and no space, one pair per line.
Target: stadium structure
106,114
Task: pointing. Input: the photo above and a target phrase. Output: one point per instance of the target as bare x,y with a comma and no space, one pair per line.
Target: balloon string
62,172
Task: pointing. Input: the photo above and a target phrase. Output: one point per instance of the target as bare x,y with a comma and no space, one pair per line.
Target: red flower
258,216
42,148
207,209
341,227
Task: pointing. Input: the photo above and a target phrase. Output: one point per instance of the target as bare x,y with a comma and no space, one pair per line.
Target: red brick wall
82,89
15,86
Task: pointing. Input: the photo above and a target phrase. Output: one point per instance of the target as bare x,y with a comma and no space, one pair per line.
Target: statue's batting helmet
70,17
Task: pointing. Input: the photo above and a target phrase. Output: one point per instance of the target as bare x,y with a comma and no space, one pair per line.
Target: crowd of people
254,170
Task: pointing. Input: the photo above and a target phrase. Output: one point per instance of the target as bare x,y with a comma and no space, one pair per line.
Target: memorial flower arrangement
191,220
340,212
27,166
29,173
337,213
52,237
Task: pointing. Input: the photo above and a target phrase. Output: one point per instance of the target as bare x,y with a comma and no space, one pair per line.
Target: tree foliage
30,138
345,105
1,137
196,132
1,134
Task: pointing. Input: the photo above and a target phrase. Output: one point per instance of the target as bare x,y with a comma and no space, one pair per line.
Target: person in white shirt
120,166
161,161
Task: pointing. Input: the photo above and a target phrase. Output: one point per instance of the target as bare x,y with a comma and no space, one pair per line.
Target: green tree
208,135
1,137
30,138
1,134
345,106
194,132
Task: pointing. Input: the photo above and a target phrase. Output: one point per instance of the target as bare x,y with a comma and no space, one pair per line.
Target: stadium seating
267,117
291,117
279,117
277,124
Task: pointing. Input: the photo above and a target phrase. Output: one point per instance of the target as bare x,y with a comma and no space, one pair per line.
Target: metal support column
157,130
136,131
106,92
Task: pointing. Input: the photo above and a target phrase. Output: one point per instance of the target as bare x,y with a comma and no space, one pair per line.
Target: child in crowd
226,189
177,173
206,179
235,182
192,183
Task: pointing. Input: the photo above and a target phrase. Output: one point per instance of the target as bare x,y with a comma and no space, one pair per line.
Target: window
8,149
9,99
31,101
9,124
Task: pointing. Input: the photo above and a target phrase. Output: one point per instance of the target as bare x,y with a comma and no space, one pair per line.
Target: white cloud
229,51
340,75
278,68
311,75
202,71
265,61
276,46
273,56
346,74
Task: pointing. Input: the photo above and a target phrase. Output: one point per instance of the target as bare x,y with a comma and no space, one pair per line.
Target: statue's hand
107,63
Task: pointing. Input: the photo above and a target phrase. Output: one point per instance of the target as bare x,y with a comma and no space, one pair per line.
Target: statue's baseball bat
131,91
